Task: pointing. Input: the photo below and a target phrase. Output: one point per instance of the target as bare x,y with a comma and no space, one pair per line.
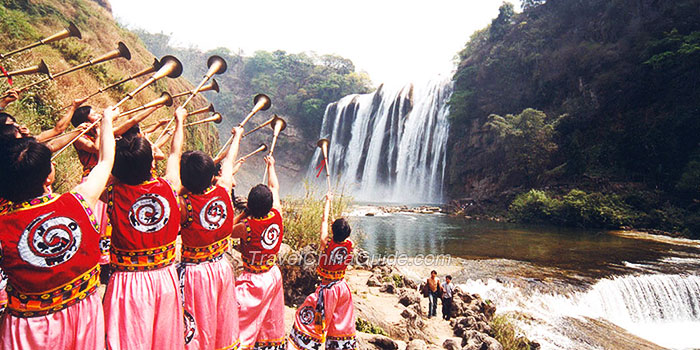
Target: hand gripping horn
278,125
169,66
323,145
71,31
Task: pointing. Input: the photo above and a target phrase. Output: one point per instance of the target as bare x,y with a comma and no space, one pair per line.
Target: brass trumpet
39,68
278,125
164,100
209,109
261,148
71,31
151,69
217,65
212,85
261,103
216,118
266,123
120,51
323,145
169,66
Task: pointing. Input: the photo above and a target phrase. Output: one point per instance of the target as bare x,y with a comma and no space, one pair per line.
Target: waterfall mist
390,145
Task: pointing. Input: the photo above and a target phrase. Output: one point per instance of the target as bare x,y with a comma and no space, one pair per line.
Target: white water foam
664,309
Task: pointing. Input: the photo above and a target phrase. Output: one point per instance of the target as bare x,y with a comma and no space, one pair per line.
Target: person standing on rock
433,285
259,288
206,212
447,292
328,314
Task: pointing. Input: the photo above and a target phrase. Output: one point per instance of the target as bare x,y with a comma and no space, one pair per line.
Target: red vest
208,225
334,259
262,241
145,221
87,159
50,251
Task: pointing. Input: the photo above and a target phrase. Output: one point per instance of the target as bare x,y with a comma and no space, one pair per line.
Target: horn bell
74,31
278,122
123,51
175,66
219,118
323,143
214,85
264,99
218,63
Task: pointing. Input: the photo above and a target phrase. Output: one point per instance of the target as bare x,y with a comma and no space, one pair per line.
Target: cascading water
390,145
664,309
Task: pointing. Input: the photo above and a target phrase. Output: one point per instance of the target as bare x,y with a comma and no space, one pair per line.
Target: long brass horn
261,103
216,65
278,125
169,66
212,85
72,30
216,118
39,68
266,123
164,99
120,51
261,148
154,67
323,145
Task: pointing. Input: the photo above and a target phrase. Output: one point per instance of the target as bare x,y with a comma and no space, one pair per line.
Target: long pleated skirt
261,313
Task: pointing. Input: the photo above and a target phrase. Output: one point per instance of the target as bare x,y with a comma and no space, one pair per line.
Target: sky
395,42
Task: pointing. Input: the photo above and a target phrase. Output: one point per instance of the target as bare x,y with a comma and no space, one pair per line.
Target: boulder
299,274
409,283
417,344
417,309
408,297
375,280
474,340
388,287
367,341
452,344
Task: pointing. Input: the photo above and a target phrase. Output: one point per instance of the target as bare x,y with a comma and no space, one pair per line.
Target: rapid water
390,145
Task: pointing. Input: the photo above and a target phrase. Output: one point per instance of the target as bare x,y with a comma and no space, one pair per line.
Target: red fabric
87,159
320,167
209,217
264,237
336,256
143,216
4,72
48,245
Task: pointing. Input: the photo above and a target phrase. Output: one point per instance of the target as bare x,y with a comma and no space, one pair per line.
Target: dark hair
133,160
259,201
5,116
25,166
341,230
448,277
8,132
433,272
132,132
80,115
196,171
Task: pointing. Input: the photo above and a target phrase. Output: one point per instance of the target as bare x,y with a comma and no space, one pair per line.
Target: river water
566,287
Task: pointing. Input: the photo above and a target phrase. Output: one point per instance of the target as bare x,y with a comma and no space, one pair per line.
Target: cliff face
24,21
623,74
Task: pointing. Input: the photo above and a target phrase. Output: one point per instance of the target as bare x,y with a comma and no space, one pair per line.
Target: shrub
362,325
508,334
534,206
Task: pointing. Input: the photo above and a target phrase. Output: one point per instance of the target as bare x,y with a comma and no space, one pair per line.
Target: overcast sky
393,41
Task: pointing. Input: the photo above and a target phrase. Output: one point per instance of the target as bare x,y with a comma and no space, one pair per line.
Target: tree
500,24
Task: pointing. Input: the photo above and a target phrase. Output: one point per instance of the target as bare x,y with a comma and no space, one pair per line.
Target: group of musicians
119,227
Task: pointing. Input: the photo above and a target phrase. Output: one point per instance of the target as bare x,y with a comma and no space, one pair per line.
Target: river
566,287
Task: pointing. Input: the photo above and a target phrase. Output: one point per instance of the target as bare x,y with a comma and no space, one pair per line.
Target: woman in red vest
50,250
259,287
206,213
328,315
143,308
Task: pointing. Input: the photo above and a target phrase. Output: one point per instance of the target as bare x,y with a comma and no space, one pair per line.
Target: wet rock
388,287
417,344
452,344
367,341
374,280
299,274
474,340
408,297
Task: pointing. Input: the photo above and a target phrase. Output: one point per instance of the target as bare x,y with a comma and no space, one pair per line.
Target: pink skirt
261,314
143,310
336,329
211,300
80,326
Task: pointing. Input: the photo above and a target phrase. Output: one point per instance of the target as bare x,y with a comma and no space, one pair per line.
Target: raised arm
58,143
172,170
272,182
94,184
62,123
227,166
324,220
134,119
12,95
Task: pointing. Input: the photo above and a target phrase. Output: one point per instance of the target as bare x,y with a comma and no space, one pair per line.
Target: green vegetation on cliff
613,87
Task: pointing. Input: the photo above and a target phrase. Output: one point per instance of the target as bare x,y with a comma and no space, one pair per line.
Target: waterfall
390,145
661,308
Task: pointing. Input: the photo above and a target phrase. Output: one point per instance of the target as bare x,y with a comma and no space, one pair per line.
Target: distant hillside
25,21
615,88
299,85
